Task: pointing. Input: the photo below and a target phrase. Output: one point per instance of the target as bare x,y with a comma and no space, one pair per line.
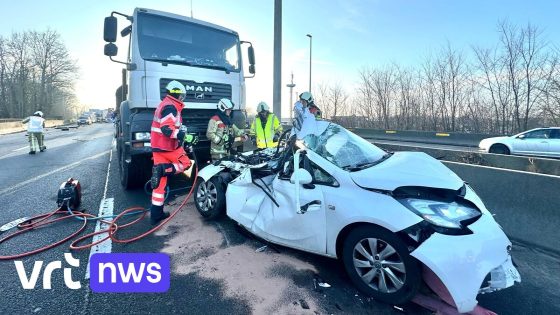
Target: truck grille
206,92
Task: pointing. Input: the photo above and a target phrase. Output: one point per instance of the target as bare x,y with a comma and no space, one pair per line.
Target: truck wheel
379,264
209,198
133,174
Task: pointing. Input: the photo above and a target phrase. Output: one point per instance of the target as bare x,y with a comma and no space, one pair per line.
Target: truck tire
134,174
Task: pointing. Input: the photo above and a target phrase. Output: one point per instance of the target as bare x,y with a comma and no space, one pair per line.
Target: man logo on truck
198,88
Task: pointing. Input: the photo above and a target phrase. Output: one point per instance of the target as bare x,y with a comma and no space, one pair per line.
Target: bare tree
34,67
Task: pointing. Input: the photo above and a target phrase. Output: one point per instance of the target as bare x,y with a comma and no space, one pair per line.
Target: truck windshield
180,42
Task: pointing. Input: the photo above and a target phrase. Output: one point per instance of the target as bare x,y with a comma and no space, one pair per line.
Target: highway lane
28,187
215,265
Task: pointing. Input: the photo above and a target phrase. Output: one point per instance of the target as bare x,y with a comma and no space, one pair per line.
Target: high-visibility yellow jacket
265,135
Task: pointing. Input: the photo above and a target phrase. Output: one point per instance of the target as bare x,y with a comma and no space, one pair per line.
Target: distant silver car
536,142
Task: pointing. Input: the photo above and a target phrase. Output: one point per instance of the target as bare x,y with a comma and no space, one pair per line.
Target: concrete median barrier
526,205
449,138
17,126
511,162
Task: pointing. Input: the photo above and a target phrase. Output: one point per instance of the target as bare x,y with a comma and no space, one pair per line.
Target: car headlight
443,214
142,136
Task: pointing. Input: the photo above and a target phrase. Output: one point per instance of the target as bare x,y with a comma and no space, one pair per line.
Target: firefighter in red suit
167,138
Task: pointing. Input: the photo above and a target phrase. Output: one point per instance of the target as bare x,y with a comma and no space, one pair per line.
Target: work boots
157,214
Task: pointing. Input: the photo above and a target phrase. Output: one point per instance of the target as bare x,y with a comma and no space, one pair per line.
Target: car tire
389,274
499,149
210,197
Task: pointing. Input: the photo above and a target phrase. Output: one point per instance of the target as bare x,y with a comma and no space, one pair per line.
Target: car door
554,143
281,223
537,142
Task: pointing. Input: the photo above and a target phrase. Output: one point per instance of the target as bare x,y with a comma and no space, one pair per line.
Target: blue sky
347,35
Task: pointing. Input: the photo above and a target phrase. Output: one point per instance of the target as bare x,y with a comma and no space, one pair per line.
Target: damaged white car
386,216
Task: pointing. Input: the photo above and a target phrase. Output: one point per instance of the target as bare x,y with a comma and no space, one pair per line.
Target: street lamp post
310,45
291,85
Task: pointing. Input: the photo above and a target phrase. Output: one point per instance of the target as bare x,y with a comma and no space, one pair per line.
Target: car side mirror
522,137
303,175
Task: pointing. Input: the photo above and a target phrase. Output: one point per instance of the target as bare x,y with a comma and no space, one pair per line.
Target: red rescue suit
166,138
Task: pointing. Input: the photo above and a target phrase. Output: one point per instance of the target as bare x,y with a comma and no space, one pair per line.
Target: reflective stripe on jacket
265,136
158,140
215,132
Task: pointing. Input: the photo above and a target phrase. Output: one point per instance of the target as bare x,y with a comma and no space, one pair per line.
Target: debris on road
304,304
261,249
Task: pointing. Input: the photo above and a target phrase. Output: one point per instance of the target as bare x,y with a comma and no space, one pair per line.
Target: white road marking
20,149
105,209
504,169
36,178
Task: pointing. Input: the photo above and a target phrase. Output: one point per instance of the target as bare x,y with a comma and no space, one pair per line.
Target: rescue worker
308,101
266,127
167,138
222,132
35,126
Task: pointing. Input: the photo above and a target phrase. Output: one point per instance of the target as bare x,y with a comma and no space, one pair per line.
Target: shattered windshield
344,149
181,42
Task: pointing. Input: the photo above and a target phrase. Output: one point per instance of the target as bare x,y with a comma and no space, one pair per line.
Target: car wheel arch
343,234
507,146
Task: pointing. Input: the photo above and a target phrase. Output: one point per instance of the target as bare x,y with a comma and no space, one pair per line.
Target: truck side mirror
110,29
111,50
127,30
251,55
252,69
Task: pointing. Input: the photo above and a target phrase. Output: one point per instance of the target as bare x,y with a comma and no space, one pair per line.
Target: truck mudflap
463,261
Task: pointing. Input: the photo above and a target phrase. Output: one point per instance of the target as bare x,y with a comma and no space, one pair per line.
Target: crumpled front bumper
463,261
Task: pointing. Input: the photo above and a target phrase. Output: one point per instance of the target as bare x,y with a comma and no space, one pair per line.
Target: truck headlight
443,214
142,136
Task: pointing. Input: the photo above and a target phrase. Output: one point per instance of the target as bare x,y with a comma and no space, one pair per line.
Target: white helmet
175,87
38,113
306,96
224,104
262,107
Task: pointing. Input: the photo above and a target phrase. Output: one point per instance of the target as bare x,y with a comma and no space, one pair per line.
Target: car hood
407,169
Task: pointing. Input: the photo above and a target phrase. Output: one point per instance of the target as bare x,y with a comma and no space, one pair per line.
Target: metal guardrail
449,138
508,162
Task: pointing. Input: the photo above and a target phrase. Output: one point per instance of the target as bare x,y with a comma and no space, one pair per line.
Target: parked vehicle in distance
84,120
536,142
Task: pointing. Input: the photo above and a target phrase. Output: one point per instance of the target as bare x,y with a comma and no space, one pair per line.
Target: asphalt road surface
215,266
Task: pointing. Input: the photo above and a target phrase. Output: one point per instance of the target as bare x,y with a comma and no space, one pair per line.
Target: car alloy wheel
206,196
379,265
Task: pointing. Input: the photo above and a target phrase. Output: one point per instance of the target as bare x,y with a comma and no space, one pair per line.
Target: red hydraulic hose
44,219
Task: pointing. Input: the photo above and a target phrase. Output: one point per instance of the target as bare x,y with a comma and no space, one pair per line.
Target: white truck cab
205,57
